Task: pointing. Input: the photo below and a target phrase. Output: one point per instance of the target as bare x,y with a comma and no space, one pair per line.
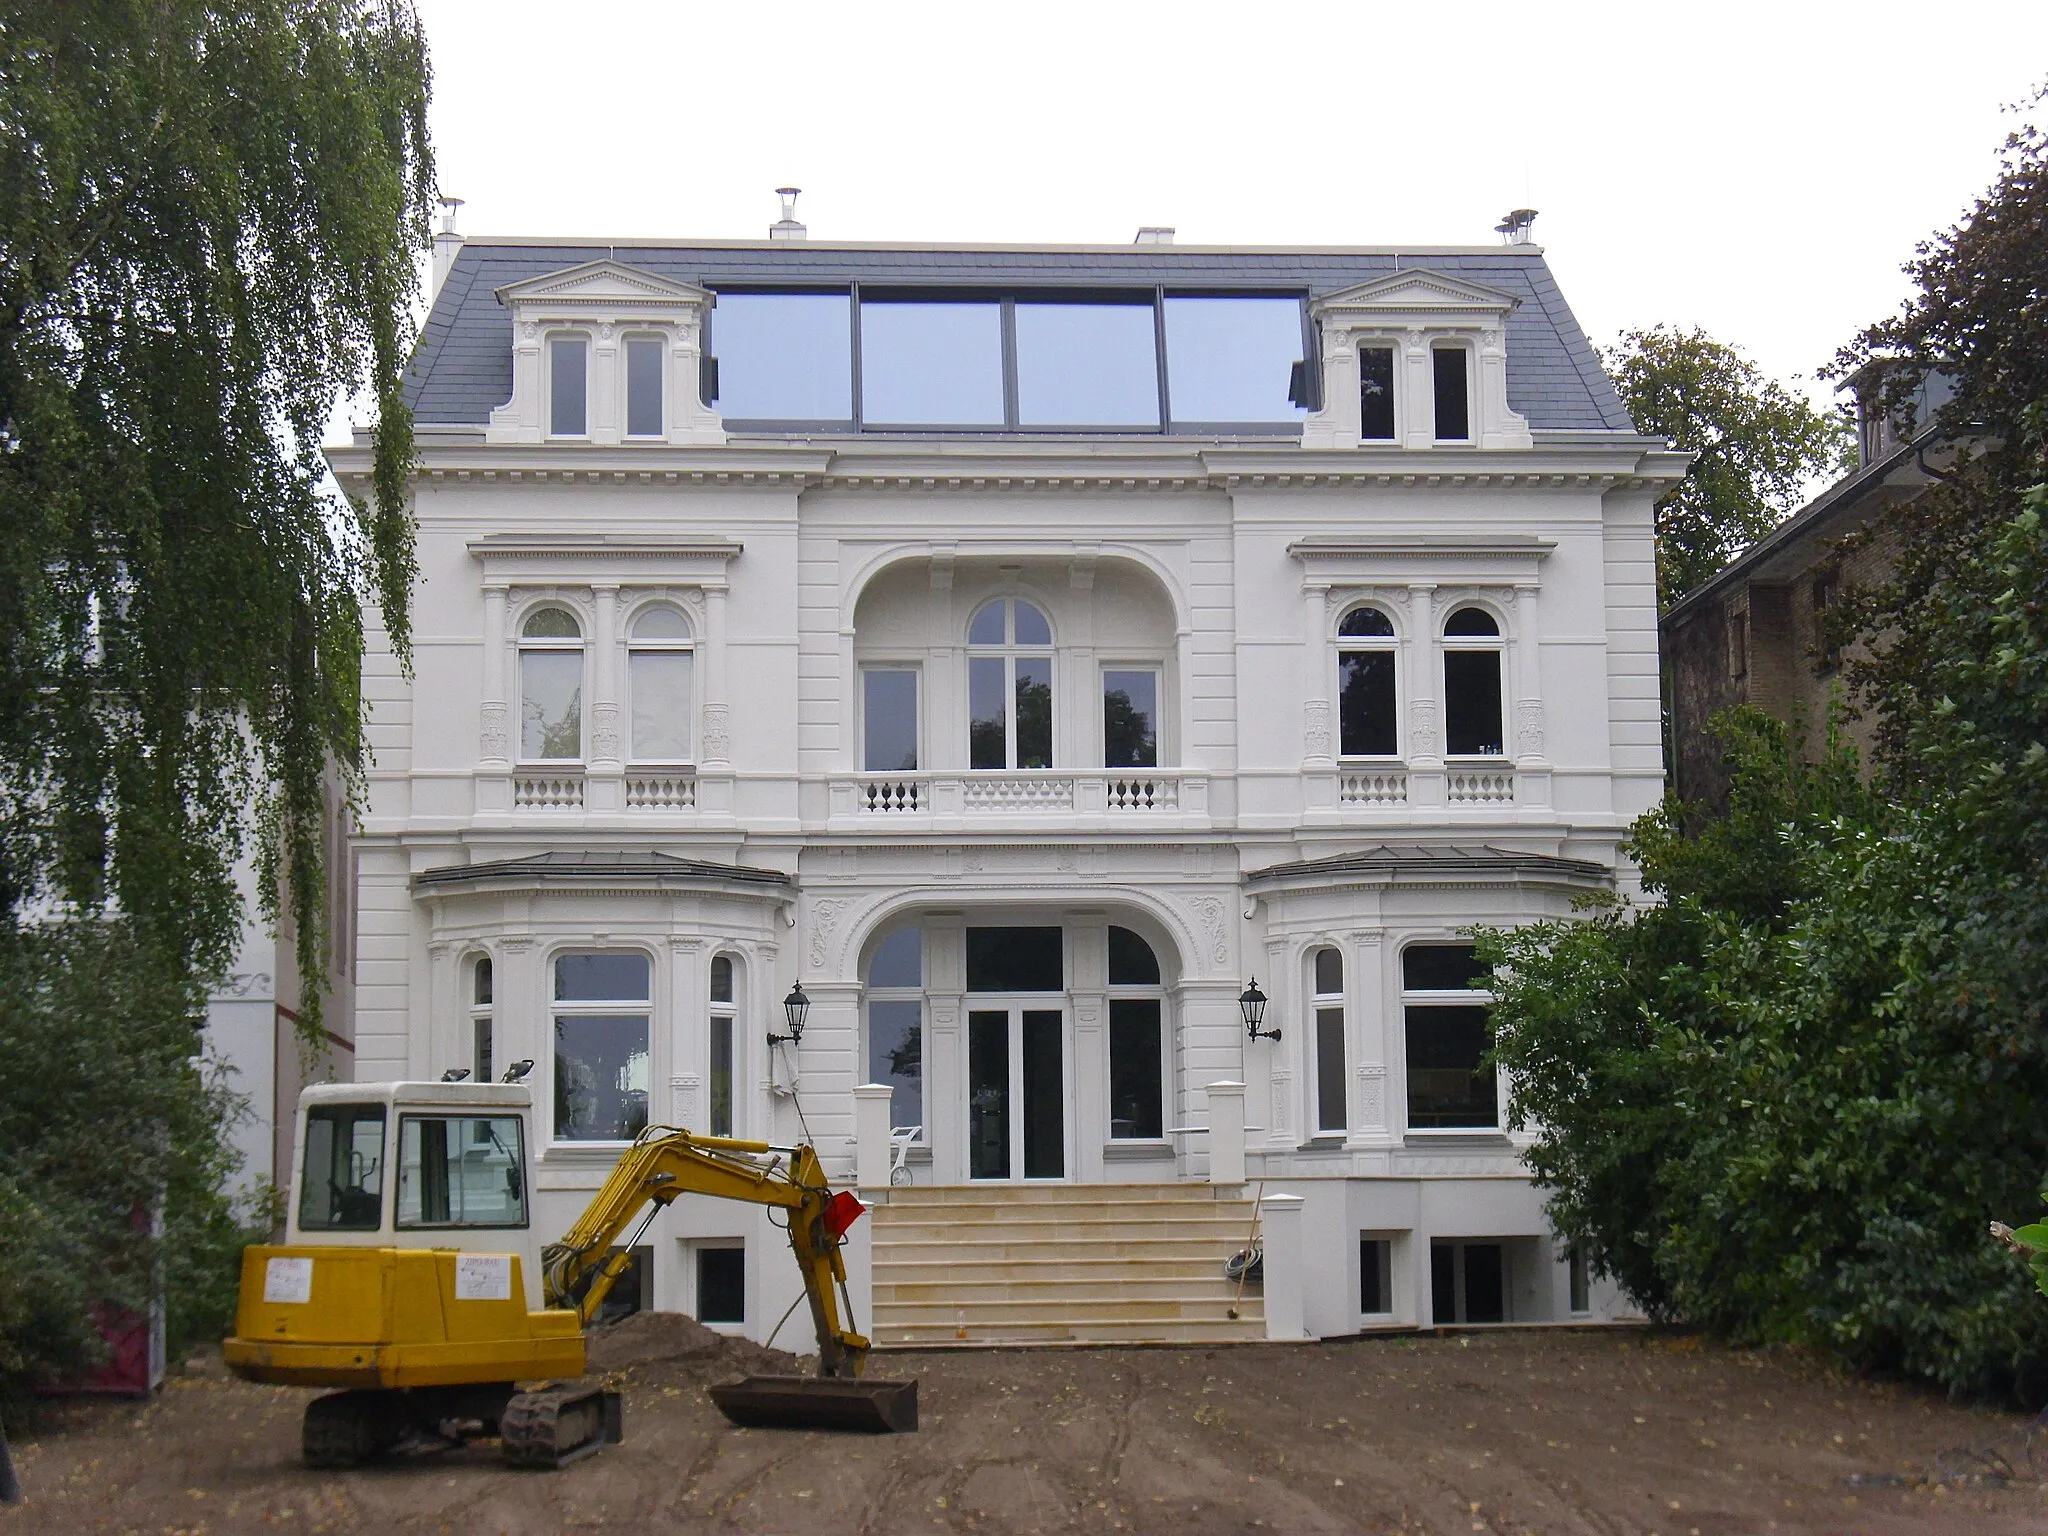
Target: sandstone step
1198,1234
1053,1194
892,1270
1134,1250
1247,1329
1053,1309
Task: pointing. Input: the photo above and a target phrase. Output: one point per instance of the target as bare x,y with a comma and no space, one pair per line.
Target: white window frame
692,1302
1497,643
1392,645
1319,1003
686,646
613,1006
912,665
1011,652
523,643
729,1013
548,384
1162,749
1143,992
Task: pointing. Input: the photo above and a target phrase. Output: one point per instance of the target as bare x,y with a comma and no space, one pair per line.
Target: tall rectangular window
1229,360
896,1022
1086,365
1376,394
1328,1011
888,719
480,1009
1135,1101
719,1079
1453,394
1375,1276
568,370
1580,1298
643,386
784,356
1451,1085
601,1010
931,364
1130,718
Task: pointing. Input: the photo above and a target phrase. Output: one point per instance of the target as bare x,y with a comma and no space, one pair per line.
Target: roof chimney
1154,234
1513,228
786,227
447,241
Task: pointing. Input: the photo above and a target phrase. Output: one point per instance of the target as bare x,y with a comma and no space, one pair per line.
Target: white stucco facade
762,846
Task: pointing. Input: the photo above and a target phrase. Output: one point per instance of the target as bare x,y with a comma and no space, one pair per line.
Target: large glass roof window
784,356
931,364
1230,360
1087,365
1043,360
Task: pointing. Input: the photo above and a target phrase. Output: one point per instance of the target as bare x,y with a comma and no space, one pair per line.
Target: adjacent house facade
1023,651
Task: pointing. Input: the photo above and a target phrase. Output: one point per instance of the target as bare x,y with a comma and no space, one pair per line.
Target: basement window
1453,394
721,1283
1376,1276
1467,1283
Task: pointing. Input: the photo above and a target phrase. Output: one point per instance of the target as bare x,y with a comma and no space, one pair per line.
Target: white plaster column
945,1052
1426,778
872,1103
1526,675
445,1007
684,1037
690,420
715,749
1077,739
519,1021
1280,1221
1339,422
494,746
1415,402
1226,1135
1281,1014
1366,1007
944,724
603,778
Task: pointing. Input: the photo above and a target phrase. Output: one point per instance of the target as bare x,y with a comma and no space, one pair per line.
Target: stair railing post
1280,1216
871,1110
1226,1134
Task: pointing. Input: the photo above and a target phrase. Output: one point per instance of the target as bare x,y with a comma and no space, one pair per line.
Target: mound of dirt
685,1349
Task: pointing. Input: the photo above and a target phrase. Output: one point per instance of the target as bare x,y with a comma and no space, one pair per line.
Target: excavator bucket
819,1402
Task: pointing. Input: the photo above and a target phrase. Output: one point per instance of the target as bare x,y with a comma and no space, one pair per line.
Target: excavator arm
666,1162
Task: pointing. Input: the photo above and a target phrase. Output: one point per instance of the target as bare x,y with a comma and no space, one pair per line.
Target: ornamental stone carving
1315,734
1372,1094
1422,737
1209,911
717,733
493,739
604,732
1529,727
825,915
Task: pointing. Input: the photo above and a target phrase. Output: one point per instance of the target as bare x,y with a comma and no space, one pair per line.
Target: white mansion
1022,649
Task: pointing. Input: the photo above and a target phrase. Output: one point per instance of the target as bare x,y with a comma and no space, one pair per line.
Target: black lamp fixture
1251,1002
794,1008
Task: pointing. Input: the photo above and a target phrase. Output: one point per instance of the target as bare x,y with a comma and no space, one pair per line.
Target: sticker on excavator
483,1277
288,1280
842,1211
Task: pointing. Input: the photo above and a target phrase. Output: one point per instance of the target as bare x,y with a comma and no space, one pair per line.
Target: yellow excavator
427,1300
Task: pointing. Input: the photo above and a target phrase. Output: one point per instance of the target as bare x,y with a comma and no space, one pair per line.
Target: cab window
341,1188
461,1171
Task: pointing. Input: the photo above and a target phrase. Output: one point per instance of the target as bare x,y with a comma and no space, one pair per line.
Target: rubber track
552,1426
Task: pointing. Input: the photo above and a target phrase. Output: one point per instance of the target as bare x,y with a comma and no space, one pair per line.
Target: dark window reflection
1130,713
1135,1101
1014,960
1376,393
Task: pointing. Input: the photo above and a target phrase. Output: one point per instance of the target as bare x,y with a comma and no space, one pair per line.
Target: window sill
1136,1151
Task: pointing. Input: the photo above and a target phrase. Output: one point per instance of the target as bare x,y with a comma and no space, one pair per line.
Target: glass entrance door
1016,1093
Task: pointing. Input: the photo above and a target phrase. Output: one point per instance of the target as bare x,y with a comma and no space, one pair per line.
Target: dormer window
1452,376
643,387
1376,394
568,386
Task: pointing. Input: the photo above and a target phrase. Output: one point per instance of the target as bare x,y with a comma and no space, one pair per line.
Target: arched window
658,661
723,1018
1009,686
895,1003
480,1010
1137,1043
1472,692
1365,685
1327,1010
551,687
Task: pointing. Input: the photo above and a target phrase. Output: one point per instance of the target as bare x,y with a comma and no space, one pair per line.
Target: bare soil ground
1556,1431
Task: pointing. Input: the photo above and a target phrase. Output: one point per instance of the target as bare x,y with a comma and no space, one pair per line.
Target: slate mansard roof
462,367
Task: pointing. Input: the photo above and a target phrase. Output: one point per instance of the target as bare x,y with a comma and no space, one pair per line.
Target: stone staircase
1060,1264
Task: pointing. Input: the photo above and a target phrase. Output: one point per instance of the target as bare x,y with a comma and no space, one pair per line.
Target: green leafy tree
1783,1102
209,219
1759,446
210,216
1979,315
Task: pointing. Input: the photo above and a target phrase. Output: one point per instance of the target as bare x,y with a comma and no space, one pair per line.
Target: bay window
601,1012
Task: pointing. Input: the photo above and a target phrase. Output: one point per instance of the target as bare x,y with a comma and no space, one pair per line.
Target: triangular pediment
602,282
1419,288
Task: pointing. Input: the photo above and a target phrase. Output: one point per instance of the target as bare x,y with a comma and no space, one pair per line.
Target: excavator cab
413,1280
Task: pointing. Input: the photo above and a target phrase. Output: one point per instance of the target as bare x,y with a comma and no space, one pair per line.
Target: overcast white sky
1761,170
